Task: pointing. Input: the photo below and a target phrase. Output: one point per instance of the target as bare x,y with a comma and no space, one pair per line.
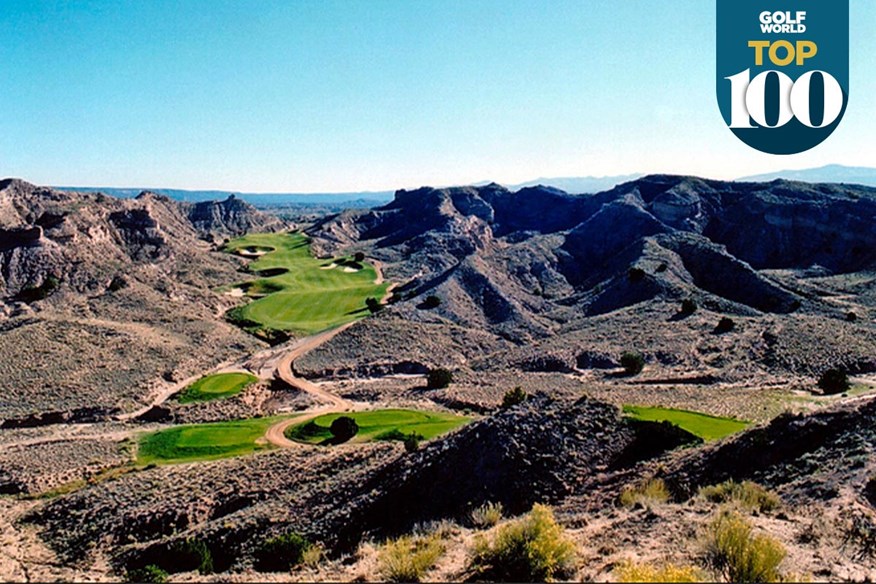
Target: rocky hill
115,292
536,265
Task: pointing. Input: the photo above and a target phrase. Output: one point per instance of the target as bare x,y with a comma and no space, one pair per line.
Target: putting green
379,425
297,292
703,425
216,386
193,442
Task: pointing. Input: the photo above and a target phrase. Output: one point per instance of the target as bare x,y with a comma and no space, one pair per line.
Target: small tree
147,574
725,325
513,397
688,306
373,305
359,257
636,274
281,553
834,381
431,302
851,317
439,378
412,442
633,363
344,428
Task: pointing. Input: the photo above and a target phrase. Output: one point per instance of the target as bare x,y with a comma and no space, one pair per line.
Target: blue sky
299,95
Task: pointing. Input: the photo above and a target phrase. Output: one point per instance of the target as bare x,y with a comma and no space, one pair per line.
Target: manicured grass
703,425
193,442
379,425
216,386
299,293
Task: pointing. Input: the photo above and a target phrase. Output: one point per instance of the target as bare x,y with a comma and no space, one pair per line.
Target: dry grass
629,571
739,555
747,495
648,494
532,548
410,557
487,515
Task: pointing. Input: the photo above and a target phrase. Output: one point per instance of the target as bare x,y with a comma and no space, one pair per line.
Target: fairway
218,386
298,293
193,442
703,425
380,425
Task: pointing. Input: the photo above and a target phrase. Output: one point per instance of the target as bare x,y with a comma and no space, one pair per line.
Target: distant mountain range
578,184
832,173
261,200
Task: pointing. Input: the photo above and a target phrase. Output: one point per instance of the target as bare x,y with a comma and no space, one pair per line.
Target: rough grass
703,425
300,293
193,442
747,494
650,492
218,386
379,425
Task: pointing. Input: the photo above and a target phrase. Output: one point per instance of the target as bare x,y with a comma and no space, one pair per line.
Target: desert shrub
412,442
281,553
373,305
725,325
860,532
648,493
746,494
636,274
431,301
359,257
41,292
151,574
312,556
513,397
487,515
186,555
633,363
117,283
738,554
408,558
632,572
834,381
343,428
531,549
688,306
439,378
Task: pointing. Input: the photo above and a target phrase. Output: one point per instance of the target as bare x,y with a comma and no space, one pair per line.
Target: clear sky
321,95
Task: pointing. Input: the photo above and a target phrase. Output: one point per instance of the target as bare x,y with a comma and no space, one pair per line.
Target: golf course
703,425
297,293
194,442
217,386
392,424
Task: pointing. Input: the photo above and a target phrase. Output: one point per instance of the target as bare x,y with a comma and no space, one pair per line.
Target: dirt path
284,368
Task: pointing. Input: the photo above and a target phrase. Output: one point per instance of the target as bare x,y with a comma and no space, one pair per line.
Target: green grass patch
298,293
379,425
193,442
218,386
703,425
